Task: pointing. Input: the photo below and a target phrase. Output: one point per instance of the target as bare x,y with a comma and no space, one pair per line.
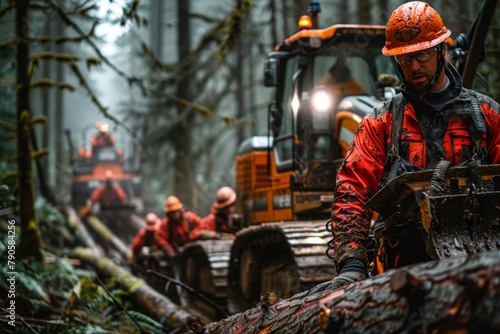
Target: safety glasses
421,56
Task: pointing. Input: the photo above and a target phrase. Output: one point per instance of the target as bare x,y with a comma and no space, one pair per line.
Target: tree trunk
459,295
385,11
364,11
45,190
137,221
30,244
239,96
183,177
60,159
154,304
342,15
45,97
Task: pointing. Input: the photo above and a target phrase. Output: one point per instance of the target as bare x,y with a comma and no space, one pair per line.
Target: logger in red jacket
109,193
222,209
102,138
178,227
146,235
436,119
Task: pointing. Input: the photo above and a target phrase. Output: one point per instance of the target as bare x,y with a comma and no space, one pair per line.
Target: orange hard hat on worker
225,197
412,27
151,221
172,204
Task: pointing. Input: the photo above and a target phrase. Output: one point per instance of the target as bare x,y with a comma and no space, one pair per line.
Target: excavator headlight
315,42
295,103
321,99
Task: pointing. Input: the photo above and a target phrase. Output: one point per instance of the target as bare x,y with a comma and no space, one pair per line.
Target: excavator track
285,258
204,267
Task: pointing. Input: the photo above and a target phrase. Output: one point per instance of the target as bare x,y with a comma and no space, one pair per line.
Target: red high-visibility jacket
214,221
360,175
143,238
102,139
187,229
106,196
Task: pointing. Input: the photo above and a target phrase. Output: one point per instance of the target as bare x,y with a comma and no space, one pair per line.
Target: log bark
107,236
459,295
154,304
83,233
137,222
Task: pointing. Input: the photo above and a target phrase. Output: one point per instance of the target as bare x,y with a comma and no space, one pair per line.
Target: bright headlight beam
322,100
295,104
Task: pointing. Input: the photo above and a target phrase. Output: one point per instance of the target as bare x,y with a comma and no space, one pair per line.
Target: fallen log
108,237
137,222
457,295
154,304
83,233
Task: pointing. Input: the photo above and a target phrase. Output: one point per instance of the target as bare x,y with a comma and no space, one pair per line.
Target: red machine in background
90,165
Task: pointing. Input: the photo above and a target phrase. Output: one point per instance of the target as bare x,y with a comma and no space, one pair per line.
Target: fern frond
146,322
30,286
100,303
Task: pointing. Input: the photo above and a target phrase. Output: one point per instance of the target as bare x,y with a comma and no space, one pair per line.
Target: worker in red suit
103,138
146,236
109,193
434,120
222,209
178,227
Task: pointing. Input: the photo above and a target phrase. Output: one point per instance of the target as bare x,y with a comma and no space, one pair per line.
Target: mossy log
154,304
83,234
107,236
137,222
457,295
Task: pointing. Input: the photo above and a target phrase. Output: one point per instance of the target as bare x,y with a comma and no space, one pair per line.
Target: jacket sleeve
196,225
138,242
357,180
96,195
120,193
491,110
208,222
94,141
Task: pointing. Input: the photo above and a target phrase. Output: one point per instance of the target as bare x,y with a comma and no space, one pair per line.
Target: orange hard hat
225,197
151,220
412,27
172,204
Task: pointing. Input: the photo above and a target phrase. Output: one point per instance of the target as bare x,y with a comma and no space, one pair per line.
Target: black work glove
353,271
